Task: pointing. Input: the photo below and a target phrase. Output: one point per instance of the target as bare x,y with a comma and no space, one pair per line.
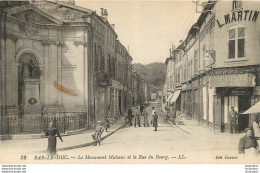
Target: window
236,4
191,68
171,82
102,59
236,43
96,57
196,61
204,49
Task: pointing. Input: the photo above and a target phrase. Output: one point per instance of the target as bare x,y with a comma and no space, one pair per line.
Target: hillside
154,73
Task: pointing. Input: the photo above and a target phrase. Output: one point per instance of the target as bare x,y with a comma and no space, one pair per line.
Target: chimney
104,13
72,2
113,26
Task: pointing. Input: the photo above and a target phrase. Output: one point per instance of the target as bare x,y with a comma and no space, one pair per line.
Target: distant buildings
58,59
217,65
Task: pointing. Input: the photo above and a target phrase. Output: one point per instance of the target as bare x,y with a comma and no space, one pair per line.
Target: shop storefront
234,88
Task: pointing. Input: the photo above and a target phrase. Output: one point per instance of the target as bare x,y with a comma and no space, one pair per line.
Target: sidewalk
69,142
224,140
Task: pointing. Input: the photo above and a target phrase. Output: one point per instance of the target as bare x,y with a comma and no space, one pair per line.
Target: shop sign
236,91
232,80
246,15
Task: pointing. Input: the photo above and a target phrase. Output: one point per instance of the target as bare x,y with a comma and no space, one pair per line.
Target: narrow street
187,143
169,144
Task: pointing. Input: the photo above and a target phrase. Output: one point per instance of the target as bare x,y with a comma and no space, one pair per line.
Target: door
243,104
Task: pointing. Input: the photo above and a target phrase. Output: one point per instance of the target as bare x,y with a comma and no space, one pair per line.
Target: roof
167,60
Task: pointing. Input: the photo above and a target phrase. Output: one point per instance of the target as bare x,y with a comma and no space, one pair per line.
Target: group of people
142,112
248,145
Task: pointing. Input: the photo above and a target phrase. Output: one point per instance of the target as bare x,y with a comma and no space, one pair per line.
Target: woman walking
52,141
146,123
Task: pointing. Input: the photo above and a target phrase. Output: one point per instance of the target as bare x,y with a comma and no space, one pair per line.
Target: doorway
243,119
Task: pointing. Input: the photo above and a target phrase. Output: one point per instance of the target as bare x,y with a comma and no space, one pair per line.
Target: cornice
76,43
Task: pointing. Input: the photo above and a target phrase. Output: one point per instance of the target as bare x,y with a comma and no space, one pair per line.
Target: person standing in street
146,123
142,109
52,141
153,110
155,121
107,125
129,115
98,132
233,120
137,117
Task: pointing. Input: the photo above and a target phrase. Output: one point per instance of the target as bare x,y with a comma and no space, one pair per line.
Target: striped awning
175,96
169,97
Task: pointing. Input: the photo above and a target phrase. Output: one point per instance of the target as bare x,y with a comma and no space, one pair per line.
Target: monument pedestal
32,106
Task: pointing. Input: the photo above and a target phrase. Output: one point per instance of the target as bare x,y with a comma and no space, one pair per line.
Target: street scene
86,82
185,143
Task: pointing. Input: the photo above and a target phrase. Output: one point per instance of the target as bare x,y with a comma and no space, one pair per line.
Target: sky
148,28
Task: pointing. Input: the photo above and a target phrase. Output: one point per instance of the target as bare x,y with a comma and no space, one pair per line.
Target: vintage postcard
132,82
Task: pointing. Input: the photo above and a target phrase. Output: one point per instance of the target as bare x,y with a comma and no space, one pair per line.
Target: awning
175,96
253,109
169,97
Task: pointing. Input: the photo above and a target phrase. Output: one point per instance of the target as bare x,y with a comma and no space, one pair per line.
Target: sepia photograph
129,82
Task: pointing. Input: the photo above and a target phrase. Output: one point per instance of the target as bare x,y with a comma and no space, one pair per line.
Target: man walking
129,115
98,132
137,117
155,122
233,120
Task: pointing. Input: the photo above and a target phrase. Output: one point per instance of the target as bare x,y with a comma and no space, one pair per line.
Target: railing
37,125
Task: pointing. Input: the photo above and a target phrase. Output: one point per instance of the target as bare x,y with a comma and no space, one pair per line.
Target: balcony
103,78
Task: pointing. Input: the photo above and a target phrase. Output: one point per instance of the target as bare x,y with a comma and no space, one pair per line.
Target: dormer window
236,5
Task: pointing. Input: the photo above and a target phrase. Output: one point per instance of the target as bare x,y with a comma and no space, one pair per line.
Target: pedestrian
256,129
153,110
248,145
233,120
137,117
130,116
155,121
178,118
146,122
51,132
98,132
142,109
107,126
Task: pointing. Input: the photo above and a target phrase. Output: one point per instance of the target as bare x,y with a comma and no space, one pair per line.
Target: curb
39,136
82,145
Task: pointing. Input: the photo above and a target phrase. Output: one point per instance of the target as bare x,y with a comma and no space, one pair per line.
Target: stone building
217,65
58,59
